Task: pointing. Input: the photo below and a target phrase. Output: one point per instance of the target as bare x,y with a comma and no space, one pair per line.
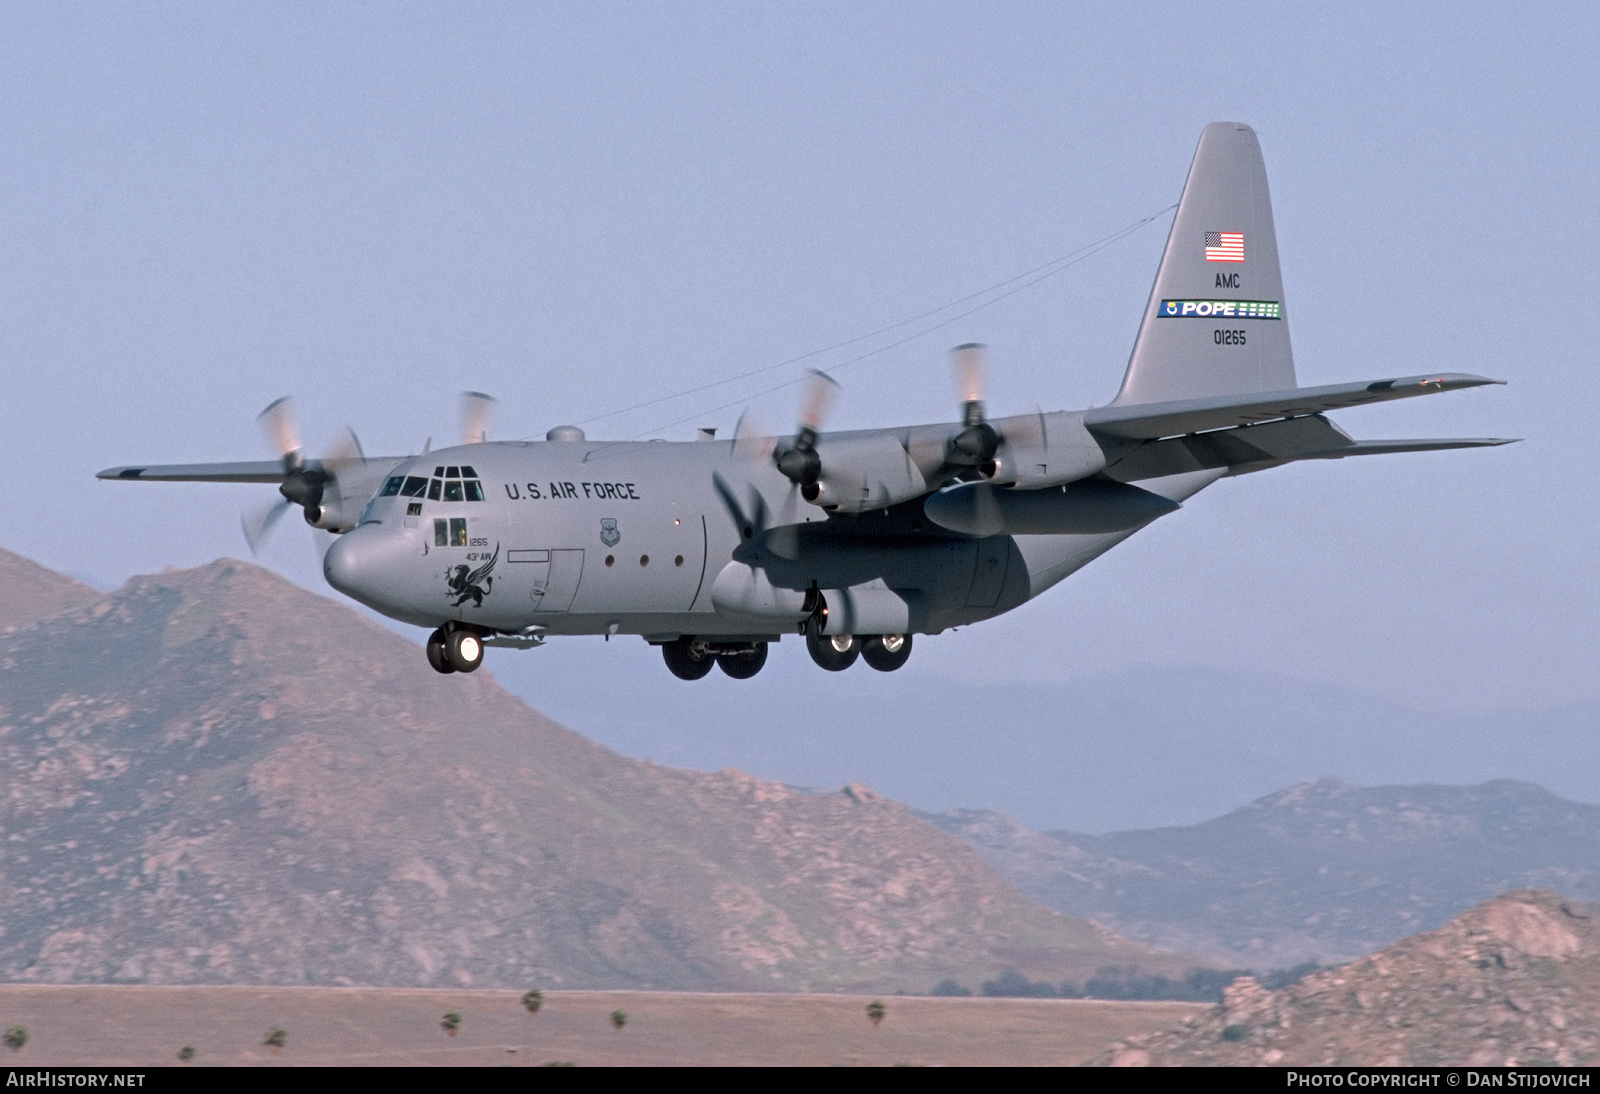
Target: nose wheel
454,651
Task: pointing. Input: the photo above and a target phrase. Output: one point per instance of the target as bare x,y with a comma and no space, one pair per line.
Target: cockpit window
414,486
452,490
433,489
473,487
438,472
452,472
467,472
392,487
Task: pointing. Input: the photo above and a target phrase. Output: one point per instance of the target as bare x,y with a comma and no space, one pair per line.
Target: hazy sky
576,207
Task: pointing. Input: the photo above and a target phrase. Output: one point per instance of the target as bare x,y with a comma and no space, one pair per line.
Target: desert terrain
141,1026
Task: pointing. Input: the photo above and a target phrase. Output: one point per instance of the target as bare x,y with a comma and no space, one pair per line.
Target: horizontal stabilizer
1150,421
1248,448
1383,448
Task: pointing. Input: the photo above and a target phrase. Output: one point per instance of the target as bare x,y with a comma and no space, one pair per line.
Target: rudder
1215,323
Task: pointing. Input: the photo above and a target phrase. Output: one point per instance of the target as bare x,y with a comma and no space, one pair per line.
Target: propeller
476,407
978,443
305,485
798,460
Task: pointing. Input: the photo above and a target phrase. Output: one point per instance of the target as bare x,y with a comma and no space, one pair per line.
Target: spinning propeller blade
278,423
978,442
476,409
303,485
257,523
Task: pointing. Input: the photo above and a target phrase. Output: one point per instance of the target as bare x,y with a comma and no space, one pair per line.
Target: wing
247,471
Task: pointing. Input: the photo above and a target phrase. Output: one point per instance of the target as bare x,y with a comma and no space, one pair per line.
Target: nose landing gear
454,650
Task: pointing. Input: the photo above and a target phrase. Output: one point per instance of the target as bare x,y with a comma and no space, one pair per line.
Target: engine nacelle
331,515
864,473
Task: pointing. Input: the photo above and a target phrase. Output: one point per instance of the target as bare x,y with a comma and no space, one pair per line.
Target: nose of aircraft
365,564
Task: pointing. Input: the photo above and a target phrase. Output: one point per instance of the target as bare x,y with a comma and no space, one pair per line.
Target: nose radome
341,565
374,565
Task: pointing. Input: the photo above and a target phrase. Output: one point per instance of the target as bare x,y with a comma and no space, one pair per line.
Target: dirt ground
143,1026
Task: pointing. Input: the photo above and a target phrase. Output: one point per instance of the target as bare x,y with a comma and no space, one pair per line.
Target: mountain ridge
1321,871
212,776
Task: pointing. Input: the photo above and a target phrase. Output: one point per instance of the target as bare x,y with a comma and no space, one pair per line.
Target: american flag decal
1224,246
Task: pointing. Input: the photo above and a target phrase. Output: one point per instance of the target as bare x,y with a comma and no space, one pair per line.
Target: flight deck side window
441,533
474,490
415,487
467,472
452,489
392,487
458,531
433,489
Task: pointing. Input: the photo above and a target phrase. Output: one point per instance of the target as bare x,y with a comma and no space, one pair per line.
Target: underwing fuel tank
1085,507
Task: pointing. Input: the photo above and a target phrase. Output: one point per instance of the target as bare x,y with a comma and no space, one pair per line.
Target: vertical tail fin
1215,323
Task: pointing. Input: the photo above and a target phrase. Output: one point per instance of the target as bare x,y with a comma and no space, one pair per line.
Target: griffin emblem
464,583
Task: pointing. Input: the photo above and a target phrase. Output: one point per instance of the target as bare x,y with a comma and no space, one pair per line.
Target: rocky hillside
29,592
1321,872
1514,982
212,776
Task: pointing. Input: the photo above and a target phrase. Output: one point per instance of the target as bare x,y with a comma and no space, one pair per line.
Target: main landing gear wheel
886,652
745,664
454,651
834,652
687,659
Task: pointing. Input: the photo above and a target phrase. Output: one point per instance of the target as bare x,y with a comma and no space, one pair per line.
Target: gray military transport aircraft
855,540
